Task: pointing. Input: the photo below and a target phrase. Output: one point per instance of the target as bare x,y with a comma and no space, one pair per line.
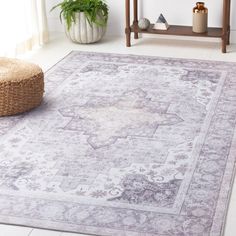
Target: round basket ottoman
21,86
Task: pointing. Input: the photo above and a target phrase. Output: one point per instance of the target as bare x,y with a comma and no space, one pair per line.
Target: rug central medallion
133,114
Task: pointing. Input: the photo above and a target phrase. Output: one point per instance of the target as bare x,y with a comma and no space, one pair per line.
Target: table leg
135,22
127,29
225,26
224,45
228,21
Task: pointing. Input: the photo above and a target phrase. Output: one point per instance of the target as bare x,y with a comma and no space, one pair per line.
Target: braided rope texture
21,86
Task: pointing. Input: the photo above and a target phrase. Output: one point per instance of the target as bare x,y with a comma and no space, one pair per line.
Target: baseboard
233,36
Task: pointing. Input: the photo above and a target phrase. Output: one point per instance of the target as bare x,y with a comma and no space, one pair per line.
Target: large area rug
123,145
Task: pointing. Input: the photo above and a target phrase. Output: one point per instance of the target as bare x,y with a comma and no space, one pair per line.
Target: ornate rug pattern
123,145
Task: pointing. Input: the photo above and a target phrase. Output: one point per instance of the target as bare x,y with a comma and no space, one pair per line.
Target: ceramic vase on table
200,18
82,32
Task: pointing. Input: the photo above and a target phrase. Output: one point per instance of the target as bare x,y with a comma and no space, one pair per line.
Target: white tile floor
181,48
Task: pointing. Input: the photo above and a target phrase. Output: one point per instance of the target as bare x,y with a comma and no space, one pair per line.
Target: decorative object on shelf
161,23
85,21
143,24
200,18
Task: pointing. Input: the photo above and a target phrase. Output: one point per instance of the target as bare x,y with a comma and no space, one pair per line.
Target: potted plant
85,21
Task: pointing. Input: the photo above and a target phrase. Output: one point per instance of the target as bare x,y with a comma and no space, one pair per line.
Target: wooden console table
223,33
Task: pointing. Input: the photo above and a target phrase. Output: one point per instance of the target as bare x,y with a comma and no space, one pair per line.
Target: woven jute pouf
21,86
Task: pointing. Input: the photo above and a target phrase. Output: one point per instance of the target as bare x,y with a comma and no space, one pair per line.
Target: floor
178,47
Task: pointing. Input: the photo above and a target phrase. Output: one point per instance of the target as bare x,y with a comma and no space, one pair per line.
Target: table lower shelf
181,30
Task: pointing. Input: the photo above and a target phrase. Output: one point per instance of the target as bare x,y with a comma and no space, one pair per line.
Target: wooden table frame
223,33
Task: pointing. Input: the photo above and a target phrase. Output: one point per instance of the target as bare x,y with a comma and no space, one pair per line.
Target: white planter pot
82,32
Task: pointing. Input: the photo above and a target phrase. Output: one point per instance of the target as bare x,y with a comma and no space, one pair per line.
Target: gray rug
123,145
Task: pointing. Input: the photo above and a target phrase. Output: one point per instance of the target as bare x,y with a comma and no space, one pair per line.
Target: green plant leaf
96,11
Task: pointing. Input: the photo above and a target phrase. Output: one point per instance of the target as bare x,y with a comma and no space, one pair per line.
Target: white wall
176,12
